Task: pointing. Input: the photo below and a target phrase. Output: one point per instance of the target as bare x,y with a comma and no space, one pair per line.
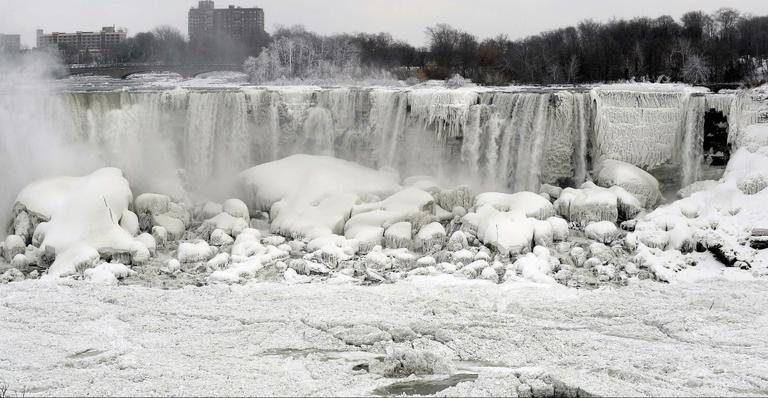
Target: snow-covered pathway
703,338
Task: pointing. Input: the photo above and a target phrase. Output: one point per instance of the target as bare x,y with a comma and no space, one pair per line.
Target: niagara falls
269,199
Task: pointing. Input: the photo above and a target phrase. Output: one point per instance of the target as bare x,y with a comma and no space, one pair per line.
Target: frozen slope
688,339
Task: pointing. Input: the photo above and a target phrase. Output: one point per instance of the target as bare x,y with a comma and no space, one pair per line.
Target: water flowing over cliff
491,139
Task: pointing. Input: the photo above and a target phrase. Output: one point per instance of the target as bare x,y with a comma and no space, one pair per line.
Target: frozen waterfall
491,139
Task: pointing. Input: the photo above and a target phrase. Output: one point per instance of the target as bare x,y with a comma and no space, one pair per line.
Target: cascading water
490,139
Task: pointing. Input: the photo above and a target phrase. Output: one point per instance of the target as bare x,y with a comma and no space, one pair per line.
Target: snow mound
311,196
717,217
80,211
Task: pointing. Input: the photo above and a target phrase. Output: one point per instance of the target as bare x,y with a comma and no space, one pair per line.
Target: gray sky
405,19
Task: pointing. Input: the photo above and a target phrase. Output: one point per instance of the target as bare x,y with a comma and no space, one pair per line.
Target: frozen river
691,338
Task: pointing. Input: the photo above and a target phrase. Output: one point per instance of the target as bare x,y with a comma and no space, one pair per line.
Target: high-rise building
10,43
207,22
106,38
78,44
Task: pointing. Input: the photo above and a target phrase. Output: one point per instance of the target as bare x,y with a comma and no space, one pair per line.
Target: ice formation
341,210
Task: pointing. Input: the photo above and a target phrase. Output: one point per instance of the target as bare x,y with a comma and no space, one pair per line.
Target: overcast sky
405,19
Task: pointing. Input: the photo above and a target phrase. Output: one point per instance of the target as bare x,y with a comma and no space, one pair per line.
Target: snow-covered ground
691,338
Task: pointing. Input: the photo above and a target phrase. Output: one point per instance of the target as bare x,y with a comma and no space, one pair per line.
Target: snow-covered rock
107,273
559,228
13,245
220,238
398,235
529,203
130,222
193,252
369,220
430,235
236,208
311,196
507,232
603,232
632,178
583,206
81,211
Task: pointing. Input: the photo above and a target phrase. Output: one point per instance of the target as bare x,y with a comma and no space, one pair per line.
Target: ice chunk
130,222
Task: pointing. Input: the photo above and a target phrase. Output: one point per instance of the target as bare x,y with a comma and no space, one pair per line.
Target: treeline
297,53
725,46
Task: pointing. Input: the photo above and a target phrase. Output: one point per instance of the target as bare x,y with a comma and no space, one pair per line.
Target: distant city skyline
404,19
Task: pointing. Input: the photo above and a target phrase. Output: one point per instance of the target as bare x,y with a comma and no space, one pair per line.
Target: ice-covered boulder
543,234
13,245
194,252
220,237
430,235
236,208
369,220
130,222
311,196
552,191
148,241
449,199
632,178
583,206
75,259
753,183
398,235
603,232
225,222
534,268
160,210
81,211
507,232
529,203
559,228
107,273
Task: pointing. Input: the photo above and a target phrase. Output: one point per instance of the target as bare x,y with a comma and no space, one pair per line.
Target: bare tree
696,70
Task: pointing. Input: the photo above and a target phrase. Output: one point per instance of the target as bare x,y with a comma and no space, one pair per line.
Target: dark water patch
423,387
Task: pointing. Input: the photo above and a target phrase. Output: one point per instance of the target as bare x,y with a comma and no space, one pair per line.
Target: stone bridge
124,70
